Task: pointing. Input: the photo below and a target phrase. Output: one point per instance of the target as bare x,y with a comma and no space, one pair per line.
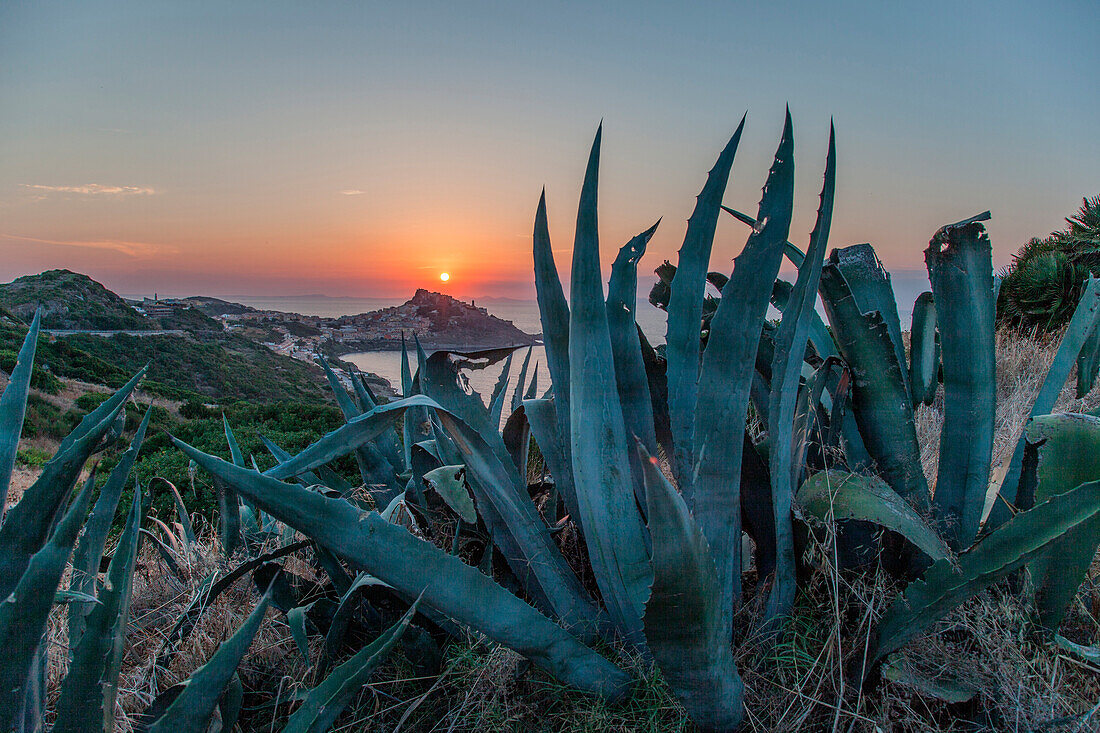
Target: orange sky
261,149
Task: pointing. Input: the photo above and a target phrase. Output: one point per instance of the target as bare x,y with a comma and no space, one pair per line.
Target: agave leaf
207,593
386,443
685,312
853,288
13,407
296,620
542,417
554,316
1006,549
960,266
517,394
374,469
533,385
1062,452
844,495
726,377
450,484
181,509
1085,319
626,349
191,711
89,550
324,703
323,475
29,522
88,693
684,627
1088,363
496,401
1089,654
924,361
518,530
601,468
345,439
24,613
790,350
630,374
517,439
412,424
341,618
411,566
502,498
941,687
820,337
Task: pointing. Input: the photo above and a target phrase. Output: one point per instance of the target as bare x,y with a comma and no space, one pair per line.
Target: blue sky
361,148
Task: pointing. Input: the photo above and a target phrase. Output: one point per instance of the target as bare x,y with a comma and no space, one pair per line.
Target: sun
444,276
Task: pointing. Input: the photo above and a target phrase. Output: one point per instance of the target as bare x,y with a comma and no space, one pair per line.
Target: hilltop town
437,320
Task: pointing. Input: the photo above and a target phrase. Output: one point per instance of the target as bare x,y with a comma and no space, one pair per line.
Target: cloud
352,192
138,250
93,189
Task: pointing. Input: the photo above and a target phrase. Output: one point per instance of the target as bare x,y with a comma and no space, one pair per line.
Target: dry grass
802,681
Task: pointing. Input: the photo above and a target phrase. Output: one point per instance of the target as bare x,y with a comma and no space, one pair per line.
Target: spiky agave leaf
1085,319
626,350
324,703
960,266
790,351
28,523
24,613
88,693
612,524
554,316
1088,363
450,484
684,627
1062,452
685,311
500,490
726,376
853,290
413,566
944,586
89,550
13,407
192,709
924,359
843,495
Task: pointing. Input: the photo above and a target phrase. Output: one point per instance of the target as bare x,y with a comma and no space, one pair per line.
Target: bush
32,457
1042,286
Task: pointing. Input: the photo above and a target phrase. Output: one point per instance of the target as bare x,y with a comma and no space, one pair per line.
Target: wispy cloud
139,250
352,192
93,189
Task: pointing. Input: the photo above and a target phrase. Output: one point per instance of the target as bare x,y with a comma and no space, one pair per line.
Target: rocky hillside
70,300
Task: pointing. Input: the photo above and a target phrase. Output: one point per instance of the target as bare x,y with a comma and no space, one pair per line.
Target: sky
361,149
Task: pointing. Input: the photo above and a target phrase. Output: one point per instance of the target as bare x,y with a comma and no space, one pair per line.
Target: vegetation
1042,286
70,300
620,575
205,365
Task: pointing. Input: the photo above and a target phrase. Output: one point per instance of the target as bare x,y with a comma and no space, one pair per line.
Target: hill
197,361
217,306
70,300
439,321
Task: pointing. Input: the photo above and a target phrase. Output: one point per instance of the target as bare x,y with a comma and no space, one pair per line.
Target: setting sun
444,276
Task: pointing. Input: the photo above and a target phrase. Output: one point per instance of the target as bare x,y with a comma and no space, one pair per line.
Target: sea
525,315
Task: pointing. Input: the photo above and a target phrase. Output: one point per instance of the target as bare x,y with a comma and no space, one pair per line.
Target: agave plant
664,537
